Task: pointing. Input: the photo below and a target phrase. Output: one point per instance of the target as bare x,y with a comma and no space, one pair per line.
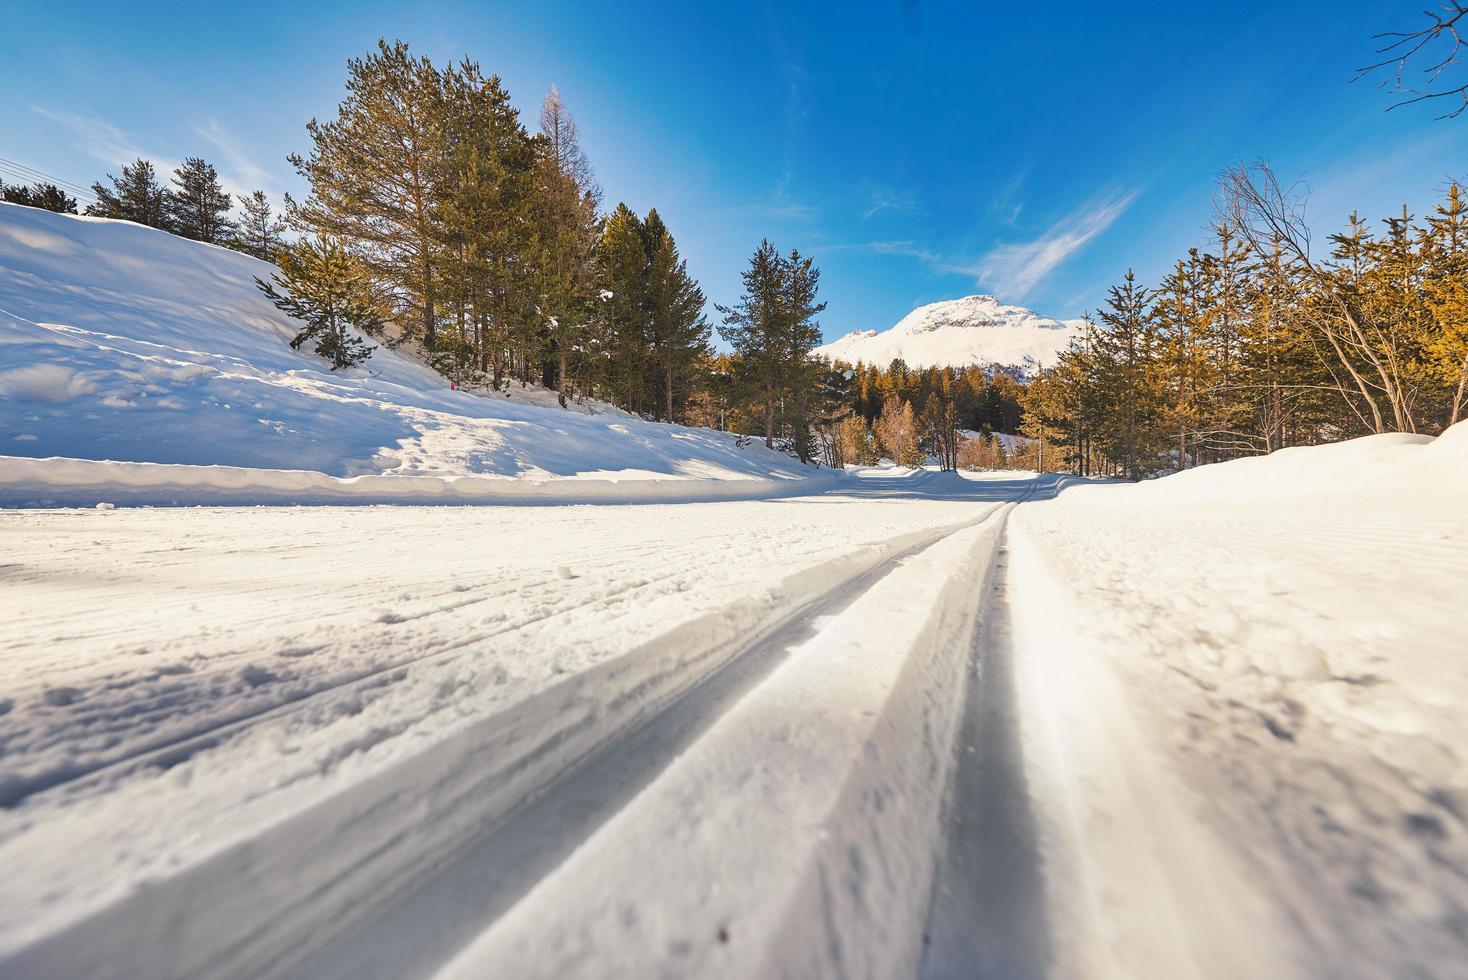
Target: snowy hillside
123,343
958,333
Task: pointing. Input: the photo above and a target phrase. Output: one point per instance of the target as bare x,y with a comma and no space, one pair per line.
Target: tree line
1257,341
436,219
193,205
484,244
912,415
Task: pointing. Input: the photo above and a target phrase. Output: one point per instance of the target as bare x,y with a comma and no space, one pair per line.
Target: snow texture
1250,686
125,344
1210,725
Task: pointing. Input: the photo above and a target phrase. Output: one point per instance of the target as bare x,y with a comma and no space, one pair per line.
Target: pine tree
376,174
622,261
854,440
678,332
46,196
487,238
328,289
135,196
897,434
1184,323
567,209
198,207
1227,274
1445,251
801,335
754,327
259,232
1126,351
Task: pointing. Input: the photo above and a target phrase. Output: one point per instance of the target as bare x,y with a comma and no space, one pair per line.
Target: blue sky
920,150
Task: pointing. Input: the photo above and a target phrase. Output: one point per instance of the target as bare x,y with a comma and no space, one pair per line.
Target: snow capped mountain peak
976,329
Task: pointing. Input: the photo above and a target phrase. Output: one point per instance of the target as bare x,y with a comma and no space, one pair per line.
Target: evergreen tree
1227,273
773,330
1126,352
198,207
328,289
259,232
754,327
800,336
46,196
135,196
678,332
567,210
487,238
622,259
376,173
1184,321
1445,287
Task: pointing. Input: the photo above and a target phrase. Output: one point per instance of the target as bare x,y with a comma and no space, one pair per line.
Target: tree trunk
769,415
1458,395
561,379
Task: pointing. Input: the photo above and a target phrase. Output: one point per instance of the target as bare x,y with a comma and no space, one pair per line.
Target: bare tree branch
1439,43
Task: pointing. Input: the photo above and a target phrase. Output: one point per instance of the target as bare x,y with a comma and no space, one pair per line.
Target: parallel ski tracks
179,747
488,875
508,851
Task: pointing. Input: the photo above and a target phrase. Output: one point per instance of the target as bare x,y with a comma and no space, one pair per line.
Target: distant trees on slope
41,195
194,206
486,242
1255,342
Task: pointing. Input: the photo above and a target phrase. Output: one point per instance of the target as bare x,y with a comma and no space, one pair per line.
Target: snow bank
58,481
1287,632
123,343
1422,466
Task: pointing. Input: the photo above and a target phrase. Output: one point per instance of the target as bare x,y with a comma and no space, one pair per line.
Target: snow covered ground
191,693
886,722
919,724
123,348
1284,650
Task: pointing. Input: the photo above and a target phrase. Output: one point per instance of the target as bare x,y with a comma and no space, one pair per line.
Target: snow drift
126,344
1287,634
975,330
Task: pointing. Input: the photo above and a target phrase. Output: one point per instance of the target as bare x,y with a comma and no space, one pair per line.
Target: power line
20,180
32,175
42,175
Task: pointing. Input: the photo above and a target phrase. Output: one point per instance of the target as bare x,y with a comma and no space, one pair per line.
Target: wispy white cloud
779,206
114,147
239,170
101,140
880,199
1006,203
905,247
1013,270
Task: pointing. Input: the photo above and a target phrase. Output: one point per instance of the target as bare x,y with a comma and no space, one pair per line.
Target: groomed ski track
823,777
429,863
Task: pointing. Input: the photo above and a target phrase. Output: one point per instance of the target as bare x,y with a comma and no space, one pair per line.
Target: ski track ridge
122,930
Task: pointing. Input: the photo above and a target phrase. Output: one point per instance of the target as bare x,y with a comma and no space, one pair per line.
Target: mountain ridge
976,330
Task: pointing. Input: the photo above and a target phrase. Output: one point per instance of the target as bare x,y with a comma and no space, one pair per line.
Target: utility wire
32,175
42,175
